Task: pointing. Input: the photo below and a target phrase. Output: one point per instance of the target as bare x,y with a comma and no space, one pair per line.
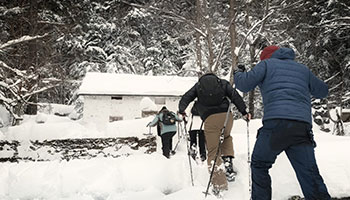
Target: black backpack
210,91
168,118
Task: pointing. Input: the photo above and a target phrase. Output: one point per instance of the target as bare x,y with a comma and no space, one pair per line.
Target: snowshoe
231,177
295,198
203,158
230,172
193,153
216,192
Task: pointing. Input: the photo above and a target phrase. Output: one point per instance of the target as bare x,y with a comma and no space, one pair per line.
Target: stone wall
68,149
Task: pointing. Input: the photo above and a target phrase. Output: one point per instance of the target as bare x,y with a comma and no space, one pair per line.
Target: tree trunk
198,36
340,124
209,36
233,37
252,51
32,109
251,97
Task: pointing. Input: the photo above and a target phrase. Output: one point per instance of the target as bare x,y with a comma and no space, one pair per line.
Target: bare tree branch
9,88
16,71
223,44
251,30
48,80
41,90
336,86
34,92
169,14
22,39
14,10
52,23
332,77
335,20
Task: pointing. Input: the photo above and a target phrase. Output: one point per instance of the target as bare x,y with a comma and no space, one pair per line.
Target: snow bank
56,127
142,176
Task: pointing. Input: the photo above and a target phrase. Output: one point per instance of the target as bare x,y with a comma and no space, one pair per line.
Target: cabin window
115,118
159,100
117,98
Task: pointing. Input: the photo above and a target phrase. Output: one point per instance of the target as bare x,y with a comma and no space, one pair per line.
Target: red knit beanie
267,52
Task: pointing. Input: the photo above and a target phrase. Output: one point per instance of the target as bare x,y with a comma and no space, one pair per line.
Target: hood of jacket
284,53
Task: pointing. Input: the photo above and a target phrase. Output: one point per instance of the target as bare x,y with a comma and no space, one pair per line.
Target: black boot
193,151
230,172
203,157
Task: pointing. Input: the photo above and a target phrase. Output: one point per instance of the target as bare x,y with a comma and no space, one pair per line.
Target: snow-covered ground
151,176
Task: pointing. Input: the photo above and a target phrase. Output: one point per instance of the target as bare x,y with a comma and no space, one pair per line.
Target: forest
47,46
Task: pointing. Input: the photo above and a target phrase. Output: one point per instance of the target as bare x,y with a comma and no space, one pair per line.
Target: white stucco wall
95,109
99,108
97,89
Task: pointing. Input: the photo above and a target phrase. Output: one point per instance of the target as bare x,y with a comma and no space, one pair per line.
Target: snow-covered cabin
113,97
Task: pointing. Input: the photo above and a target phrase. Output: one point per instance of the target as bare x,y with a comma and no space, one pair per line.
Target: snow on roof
96,83
345,110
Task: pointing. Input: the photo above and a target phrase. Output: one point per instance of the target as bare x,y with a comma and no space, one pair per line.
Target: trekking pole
179,137
218,149
188,153
249,162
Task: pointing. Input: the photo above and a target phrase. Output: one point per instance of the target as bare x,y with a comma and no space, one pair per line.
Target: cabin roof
95,83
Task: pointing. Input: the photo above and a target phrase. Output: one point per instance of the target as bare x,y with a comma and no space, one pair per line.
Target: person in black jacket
214,96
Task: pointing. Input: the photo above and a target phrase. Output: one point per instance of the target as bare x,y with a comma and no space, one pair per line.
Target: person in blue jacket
167,131
286,88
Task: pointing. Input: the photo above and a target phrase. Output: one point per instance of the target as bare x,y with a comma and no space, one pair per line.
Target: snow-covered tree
56,42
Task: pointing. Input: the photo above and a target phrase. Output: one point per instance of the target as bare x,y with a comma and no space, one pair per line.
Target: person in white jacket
196,131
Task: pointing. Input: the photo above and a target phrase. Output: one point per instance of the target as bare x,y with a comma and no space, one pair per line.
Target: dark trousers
201,141
167,143
295,139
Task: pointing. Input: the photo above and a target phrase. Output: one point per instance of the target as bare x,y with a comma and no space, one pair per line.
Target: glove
184,119
183,114
241,68
247,117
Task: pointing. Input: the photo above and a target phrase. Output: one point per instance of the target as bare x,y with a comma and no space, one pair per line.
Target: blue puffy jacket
286,86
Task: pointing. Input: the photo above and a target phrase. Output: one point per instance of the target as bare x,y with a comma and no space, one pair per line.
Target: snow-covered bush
4,117
41,118
56,109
